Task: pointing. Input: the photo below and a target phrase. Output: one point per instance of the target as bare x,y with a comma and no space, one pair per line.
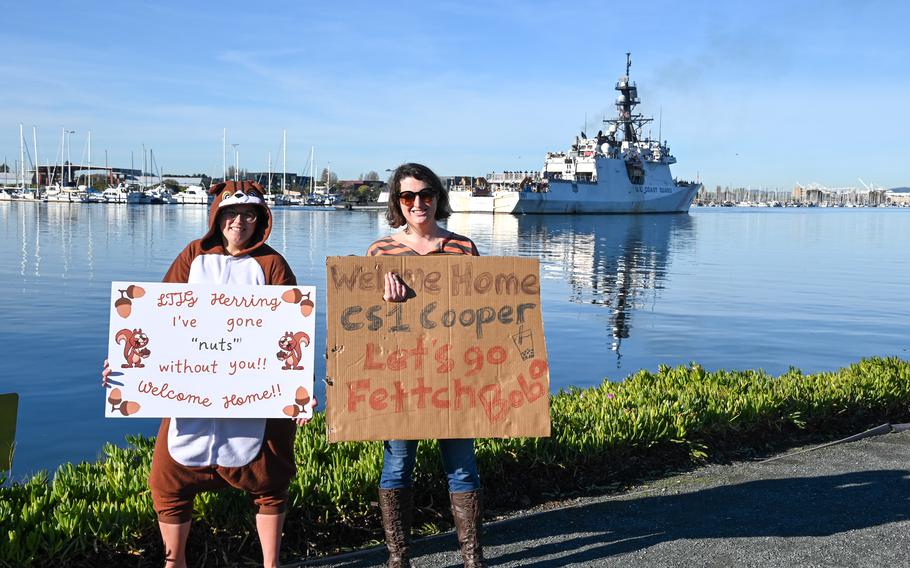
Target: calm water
728,288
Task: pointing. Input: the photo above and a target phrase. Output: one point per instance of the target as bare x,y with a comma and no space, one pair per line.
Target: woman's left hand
394,289
312,404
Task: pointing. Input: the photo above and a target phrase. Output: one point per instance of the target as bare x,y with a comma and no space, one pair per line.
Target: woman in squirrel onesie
204,454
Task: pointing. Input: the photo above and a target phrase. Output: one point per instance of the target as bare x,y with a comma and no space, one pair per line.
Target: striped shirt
453,243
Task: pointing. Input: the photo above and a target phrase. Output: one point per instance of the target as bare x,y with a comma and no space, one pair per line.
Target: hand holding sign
394,290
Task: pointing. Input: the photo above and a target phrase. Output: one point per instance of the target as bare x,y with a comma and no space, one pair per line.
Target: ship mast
630,124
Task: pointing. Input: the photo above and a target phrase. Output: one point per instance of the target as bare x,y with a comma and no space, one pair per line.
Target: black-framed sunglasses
426,195
247,215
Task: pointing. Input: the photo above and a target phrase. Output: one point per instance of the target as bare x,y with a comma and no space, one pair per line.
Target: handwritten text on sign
463,356
200,350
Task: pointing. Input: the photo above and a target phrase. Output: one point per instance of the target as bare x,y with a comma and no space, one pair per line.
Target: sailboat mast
269,187
284,165
62,154
35,144
224,154
69,156
22,156
312,170
88,185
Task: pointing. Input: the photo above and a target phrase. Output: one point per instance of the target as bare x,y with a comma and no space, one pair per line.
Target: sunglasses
246,215
426,195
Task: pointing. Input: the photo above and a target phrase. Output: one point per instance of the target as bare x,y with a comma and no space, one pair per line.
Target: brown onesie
203,454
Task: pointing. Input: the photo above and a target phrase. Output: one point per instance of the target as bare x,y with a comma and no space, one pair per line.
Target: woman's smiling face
422,211
237,223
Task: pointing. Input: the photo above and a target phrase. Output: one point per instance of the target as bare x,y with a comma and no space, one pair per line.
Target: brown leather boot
397,507
467,510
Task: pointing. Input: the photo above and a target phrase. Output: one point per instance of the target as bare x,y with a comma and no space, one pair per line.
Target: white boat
483,201
58,194
617,172
193,195
123,193
91,195
279,199
116,194
21,191
160,195
29,194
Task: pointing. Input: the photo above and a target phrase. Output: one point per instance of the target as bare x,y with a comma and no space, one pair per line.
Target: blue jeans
457,459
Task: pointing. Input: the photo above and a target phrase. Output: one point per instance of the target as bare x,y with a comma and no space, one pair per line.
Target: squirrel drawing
291,351
134,347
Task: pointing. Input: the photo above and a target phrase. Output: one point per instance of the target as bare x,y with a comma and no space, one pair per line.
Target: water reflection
642,287
617,262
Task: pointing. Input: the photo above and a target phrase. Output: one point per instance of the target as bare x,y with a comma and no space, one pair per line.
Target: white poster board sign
205,350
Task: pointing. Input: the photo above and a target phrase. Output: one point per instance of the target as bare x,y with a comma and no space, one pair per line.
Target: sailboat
21,191
160,194
315,199
90,195
53,192
281,198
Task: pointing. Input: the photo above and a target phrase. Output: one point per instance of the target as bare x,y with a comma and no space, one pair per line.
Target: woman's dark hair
419,172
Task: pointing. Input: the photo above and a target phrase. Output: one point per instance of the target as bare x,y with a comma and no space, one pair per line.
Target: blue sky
751,93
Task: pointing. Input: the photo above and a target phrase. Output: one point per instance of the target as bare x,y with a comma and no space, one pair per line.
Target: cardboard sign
462,357
204,350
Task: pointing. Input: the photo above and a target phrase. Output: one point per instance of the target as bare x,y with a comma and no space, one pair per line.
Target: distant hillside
900,189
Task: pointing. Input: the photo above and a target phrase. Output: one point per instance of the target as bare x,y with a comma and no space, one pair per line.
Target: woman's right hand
395,289
105,373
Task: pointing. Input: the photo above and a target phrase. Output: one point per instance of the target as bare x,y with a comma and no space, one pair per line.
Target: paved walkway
842,505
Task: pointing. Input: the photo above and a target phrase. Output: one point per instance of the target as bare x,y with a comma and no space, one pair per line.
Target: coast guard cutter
619,171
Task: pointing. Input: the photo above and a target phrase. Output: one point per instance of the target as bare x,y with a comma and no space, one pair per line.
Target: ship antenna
660,125
628,62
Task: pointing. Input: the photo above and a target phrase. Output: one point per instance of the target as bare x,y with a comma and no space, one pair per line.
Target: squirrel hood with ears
238,193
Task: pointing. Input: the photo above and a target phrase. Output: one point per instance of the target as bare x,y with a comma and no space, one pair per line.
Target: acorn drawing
126,407
134,291
292,296
307,305
115,397
124,306
301,397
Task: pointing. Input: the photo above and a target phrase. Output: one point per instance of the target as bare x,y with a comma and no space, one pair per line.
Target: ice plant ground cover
100,513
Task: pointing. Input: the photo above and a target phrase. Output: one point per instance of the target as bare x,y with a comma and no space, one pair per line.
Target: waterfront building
188,180
899,196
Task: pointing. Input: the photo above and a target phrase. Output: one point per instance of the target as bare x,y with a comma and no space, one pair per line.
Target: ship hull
580,199
591,198
612,193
